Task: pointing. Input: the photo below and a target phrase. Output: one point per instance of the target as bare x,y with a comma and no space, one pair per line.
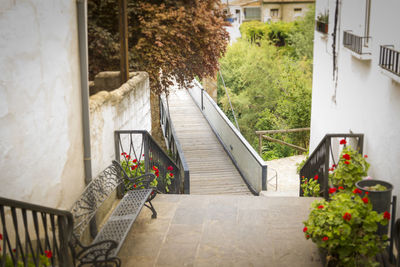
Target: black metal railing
322,158
321,27
173,144
33,235
139,153
389,59
355,43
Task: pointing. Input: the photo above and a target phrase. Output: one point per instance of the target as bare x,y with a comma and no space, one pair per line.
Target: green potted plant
351,168
322,22
345,228
380,193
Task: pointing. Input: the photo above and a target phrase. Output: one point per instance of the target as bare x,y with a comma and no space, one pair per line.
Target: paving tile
189,215
222,231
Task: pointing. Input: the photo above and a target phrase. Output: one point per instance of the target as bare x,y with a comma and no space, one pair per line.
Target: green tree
269,82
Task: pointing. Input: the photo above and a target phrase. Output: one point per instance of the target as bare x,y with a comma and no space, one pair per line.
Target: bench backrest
95,193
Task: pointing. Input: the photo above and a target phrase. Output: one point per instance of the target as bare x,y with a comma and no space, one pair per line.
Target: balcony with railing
389,61
358,45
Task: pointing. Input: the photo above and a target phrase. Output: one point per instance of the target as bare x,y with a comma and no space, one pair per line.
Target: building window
251,13
297,10
274,12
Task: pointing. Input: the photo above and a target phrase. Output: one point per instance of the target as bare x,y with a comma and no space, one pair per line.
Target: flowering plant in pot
346,228
351,168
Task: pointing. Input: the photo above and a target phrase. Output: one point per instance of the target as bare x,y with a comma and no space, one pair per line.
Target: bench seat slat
122,218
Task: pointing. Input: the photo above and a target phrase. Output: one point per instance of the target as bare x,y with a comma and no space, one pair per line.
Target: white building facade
41,128
360,93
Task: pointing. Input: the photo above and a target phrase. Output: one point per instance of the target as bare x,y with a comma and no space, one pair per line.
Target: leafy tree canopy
269,83
170,39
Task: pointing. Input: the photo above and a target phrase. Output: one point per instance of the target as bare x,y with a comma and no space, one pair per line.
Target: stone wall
125,108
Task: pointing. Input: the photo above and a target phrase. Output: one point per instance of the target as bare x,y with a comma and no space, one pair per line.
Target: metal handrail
389,59
140,147
31,231
250,165
320,159
174,145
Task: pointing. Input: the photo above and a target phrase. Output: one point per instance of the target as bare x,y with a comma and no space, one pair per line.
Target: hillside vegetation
268,74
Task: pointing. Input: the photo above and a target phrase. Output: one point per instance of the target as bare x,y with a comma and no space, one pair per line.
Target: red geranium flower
347,162
347,216
332,190
365,156
127,156
134,161
134,186
305,182
123,153
170,168
325,238
316,177
365,200
14,250
343,142
340,188
346,156
155,168
1,237
386,215
133,167
334,166
367,193
320,207
308,236
157,174
357,191
305,229
171,174
48,253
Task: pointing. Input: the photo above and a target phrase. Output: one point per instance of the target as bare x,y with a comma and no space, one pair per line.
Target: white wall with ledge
365,100
41,151
125,108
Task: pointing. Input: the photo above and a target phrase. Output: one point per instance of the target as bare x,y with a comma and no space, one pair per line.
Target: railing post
145,141
202,92
326,168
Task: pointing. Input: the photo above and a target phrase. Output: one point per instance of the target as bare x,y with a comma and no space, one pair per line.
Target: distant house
239,11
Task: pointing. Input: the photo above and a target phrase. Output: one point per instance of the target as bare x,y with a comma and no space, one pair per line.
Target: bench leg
152,209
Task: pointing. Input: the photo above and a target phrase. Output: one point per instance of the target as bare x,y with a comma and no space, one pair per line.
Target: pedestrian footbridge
214,155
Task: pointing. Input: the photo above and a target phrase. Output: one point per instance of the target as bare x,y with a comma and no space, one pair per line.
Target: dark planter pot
380,199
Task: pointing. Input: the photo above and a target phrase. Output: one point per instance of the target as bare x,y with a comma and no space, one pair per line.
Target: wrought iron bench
107,243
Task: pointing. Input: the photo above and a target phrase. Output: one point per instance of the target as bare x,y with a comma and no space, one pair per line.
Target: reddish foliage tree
170,39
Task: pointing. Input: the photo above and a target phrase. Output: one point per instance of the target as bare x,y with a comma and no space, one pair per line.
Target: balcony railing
389,59
321,27
355,43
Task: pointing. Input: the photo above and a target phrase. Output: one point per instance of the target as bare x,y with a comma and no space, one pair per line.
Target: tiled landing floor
193,230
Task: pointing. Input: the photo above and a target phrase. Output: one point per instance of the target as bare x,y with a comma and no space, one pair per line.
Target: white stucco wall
126,108
41,158
367,101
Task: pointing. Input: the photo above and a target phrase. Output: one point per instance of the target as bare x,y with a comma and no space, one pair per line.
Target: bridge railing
250,165
173,144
